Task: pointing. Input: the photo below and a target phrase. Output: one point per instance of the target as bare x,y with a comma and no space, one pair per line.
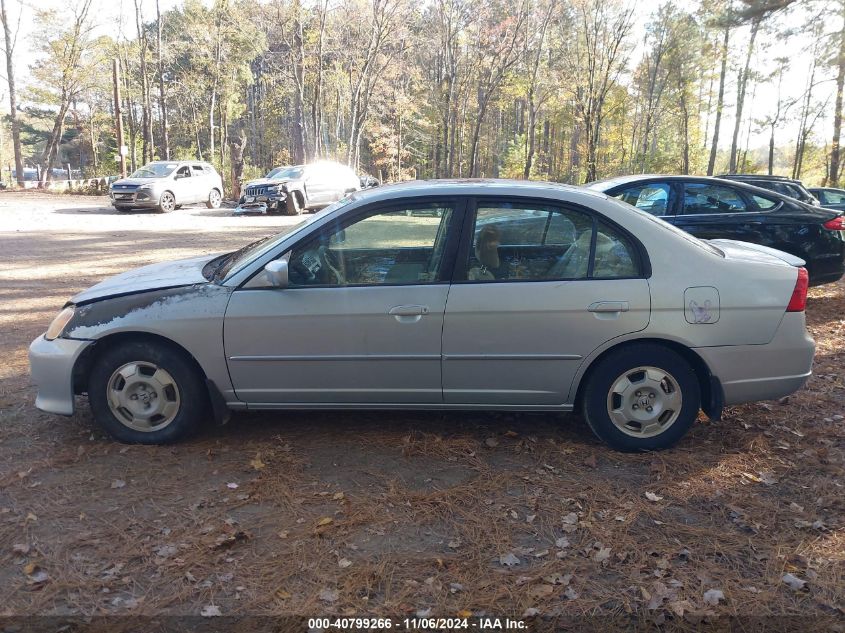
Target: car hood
268,181
183,272
135,182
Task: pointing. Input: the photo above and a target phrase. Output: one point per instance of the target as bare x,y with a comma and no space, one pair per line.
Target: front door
537,290
182,185
361,320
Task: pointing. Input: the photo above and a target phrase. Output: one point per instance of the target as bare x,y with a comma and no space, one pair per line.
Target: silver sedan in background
167,185
441,295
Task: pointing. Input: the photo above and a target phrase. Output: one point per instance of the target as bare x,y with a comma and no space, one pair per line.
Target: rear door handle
608,306
402,311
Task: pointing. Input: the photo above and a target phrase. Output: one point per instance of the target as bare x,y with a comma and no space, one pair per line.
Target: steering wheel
332,264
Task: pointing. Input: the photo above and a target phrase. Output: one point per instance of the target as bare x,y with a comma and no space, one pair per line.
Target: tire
167,202
642,397
214,199
147,393
292,204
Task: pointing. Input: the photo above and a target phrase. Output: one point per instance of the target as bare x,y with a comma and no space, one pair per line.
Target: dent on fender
95,319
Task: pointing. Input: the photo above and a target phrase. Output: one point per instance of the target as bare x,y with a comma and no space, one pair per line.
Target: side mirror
277,273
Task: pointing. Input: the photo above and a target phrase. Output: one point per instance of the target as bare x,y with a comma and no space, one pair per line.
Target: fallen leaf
210,610
20,548
232,486
328,595
590,461
281,594
794,582
562,542
713,596
570,593
509,559
454,544
530,612
455,587
324,521
492,442
523,580
558,579
653,497
343,563
464,613
283,534
118,483
338,496
602,555
256,462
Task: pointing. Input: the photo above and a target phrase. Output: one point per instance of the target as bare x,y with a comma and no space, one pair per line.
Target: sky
111,13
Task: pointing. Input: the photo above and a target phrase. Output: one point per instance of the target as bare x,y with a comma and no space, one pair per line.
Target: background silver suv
166,185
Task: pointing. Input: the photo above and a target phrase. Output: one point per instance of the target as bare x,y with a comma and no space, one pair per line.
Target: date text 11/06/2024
478,623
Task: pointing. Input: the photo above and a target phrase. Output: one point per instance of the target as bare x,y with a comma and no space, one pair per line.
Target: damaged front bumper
274,203
51,364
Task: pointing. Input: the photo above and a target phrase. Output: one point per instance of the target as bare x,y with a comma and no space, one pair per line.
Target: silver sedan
441,295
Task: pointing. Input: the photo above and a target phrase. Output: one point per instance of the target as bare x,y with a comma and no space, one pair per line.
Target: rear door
537,287
183,185
714,210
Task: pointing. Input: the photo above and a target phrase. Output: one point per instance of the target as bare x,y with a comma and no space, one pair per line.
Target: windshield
154,170
233,262
285,172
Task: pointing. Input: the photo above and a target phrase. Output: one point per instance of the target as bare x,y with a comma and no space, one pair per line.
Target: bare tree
600,57
162,101
720,102
62,71
10,41
536,97
742,85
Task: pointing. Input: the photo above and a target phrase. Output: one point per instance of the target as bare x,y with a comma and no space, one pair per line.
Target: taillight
798,301
836,224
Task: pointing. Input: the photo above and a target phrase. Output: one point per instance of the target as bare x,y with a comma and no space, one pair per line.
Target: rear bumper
764,372
51,364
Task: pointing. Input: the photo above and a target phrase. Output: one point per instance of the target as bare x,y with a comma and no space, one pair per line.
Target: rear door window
652,197
710,199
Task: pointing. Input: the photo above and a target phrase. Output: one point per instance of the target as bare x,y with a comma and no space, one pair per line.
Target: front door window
393,246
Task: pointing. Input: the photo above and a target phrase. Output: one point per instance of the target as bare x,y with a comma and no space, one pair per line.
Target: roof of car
757,177
475,186
607,183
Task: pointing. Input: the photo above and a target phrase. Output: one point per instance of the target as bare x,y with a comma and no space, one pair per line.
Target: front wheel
293,205
214,199
643,397
146,393
167,202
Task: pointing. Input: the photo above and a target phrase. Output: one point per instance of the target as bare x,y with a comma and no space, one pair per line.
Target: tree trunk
162,103
740,97
711,164
835,149
13,98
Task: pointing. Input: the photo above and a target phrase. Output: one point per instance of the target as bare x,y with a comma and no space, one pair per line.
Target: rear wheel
293,205
167,202
214,199
642,397
146,393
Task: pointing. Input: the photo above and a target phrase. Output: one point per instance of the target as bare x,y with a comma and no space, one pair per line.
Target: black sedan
830,197
711,208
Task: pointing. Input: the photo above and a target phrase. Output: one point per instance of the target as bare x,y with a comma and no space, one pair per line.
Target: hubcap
215,198
143,396
644,402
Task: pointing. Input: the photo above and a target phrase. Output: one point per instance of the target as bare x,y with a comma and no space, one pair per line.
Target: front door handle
608,306
406,311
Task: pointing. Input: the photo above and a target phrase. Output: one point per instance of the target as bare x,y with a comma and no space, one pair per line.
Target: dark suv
779,184
712,208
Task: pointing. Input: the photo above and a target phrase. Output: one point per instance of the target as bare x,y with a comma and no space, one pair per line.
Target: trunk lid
746,251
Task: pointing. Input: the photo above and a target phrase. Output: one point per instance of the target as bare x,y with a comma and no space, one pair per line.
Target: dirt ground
397,514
